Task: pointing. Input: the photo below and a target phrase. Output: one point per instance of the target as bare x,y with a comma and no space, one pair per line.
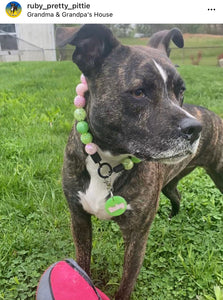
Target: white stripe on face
164,77
161,71
187,114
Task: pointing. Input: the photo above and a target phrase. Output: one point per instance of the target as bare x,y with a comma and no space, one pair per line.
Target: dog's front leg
135,246
82,235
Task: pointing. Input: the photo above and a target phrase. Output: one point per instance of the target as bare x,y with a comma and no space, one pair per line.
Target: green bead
135,160
86,138
80,114
82,127
127,164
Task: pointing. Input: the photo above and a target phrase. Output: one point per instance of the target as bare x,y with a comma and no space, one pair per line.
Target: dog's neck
81,115
113,160
103,167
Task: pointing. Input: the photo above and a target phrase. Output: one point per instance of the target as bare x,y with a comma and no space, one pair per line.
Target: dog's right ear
161,40
93,43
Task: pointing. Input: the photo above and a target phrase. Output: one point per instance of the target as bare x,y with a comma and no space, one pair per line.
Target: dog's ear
64,35
93,43
161,40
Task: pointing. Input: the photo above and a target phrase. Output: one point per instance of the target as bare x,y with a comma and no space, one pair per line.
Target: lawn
210,47
184,257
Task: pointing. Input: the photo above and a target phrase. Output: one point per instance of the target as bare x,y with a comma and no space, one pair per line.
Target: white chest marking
94,198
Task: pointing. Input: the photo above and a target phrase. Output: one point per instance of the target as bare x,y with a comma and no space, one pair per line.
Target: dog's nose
190,129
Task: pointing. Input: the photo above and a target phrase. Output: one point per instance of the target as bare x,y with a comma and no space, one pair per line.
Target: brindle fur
209,155
112,70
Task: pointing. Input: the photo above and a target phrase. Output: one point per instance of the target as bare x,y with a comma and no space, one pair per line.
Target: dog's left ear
93,43
161,40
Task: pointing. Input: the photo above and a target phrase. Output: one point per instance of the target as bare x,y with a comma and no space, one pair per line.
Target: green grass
184,257
209,45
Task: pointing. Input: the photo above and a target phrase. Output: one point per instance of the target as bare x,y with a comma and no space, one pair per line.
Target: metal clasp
104,170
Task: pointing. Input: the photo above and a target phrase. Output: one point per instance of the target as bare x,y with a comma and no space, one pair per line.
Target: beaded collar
115,205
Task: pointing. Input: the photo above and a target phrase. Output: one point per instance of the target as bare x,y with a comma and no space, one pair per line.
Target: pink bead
79,101
81,89
83,79
91,148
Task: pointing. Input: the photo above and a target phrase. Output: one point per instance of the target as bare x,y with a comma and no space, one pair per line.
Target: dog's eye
139,93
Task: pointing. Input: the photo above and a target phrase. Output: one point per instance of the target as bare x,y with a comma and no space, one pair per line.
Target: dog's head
135,95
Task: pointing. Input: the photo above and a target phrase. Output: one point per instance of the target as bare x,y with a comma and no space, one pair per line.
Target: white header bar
114,11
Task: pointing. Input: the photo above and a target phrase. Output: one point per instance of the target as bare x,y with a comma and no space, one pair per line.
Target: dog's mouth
174,159
171,156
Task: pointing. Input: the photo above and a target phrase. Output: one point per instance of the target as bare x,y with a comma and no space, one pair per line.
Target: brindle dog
134,108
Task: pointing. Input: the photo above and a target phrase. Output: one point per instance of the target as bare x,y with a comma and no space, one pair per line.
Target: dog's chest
94,198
